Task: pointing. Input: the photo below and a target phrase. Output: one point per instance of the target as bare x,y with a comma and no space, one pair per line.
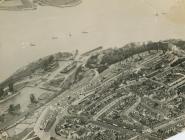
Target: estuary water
28,35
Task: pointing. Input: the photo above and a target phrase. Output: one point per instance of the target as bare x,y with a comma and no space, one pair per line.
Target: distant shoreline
71,4
34,6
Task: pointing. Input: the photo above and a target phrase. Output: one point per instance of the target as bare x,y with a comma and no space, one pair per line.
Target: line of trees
112,56
14,109
46,62
33,99
11,87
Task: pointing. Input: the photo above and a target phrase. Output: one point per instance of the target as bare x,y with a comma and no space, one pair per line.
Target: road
107,107
134,138
151,59
90,92
173,121
110,127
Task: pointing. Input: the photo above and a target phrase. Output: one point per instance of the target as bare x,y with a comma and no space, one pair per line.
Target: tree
50,59
44,65
11,87
1,92
11,108
33,99
2,119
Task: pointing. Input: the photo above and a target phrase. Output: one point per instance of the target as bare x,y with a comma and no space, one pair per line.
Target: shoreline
39,3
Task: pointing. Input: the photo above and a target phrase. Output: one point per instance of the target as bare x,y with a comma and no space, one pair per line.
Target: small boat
163,13
54,37
70,34
32,44
85,32
156,14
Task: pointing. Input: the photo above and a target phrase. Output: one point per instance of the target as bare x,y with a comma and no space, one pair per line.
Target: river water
109,23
